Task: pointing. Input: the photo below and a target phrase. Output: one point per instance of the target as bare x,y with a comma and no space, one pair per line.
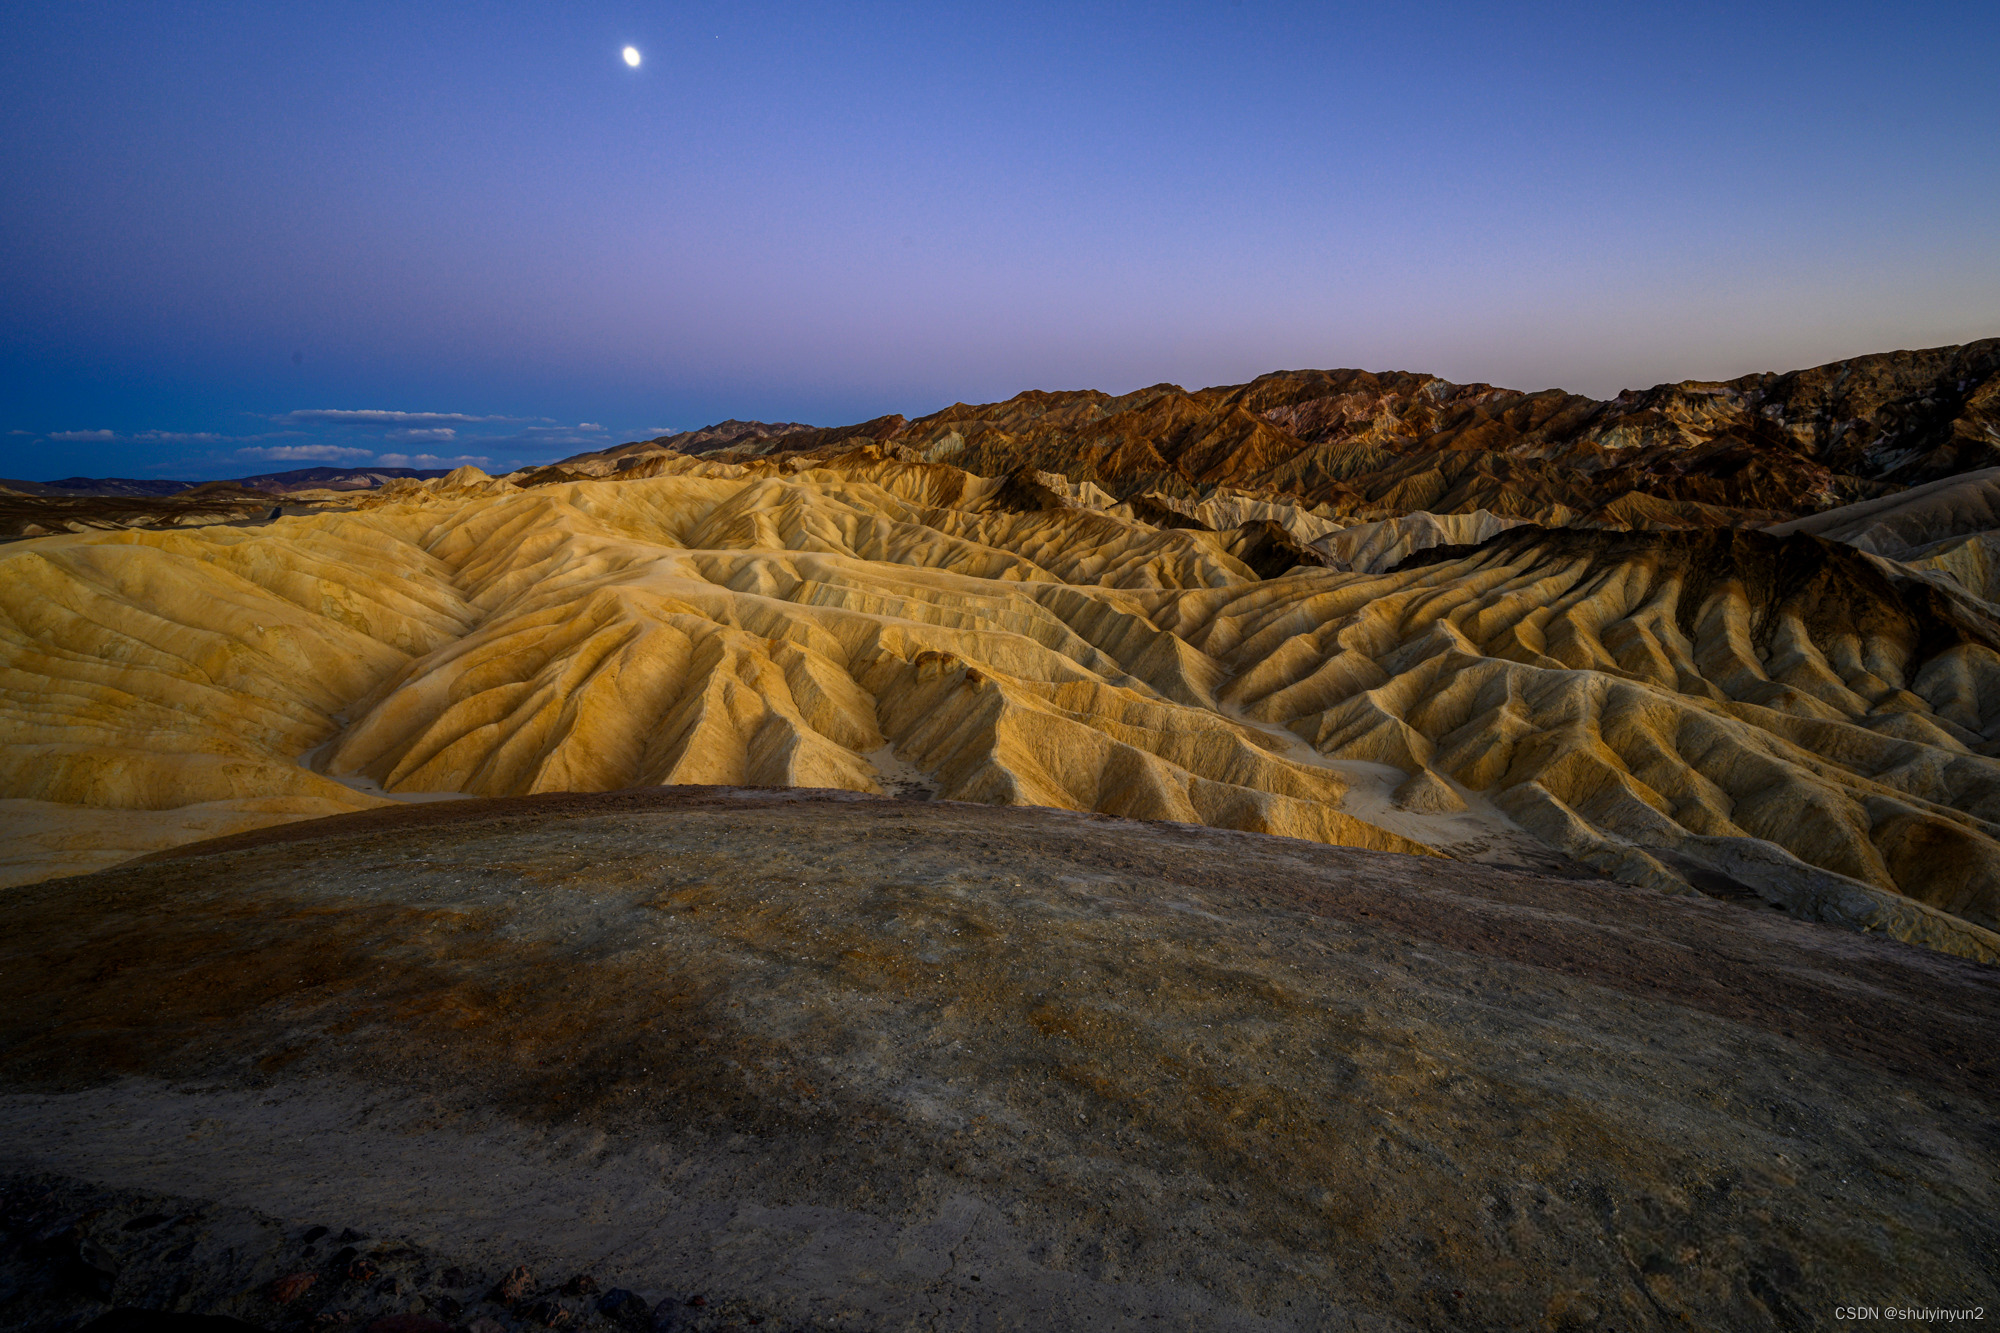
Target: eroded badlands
1789,718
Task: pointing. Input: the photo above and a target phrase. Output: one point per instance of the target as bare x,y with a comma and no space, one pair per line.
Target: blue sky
473,231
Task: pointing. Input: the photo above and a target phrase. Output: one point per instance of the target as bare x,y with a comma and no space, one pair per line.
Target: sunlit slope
786,631
1777,712
1776,717
185,672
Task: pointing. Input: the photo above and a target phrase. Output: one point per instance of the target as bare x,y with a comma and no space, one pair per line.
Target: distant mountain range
109,486
1759,448
277,483
334,478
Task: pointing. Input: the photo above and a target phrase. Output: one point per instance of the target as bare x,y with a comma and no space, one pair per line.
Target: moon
632,56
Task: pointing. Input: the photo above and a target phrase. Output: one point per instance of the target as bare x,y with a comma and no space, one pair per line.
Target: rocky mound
1785,719
836,1062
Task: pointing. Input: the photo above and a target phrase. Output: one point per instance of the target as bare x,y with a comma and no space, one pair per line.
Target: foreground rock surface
834,1061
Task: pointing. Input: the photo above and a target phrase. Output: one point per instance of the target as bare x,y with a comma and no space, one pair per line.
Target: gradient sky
474,230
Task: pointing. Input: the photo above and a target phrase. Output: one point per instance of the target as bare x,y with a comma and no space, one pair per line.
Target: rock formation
1696,454
835,1062
1776,717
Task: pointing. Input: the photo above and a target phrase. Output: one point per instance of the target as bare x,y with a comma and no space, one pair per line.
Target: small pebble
548,1314
288,1289
518,1283
622,1305
85,1266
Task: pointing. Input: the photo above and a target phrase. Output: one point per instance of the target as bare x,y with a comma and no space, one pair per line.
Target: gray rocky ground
825,1061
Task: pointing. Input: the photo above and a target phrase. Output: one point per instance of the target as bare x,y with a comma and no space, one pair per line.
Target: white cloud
325,453
588,425
340,416
163,436
435,433
430,460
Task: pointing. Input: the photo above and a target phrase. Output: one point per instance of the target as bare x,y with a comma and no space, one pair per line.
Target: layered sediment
1781,718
